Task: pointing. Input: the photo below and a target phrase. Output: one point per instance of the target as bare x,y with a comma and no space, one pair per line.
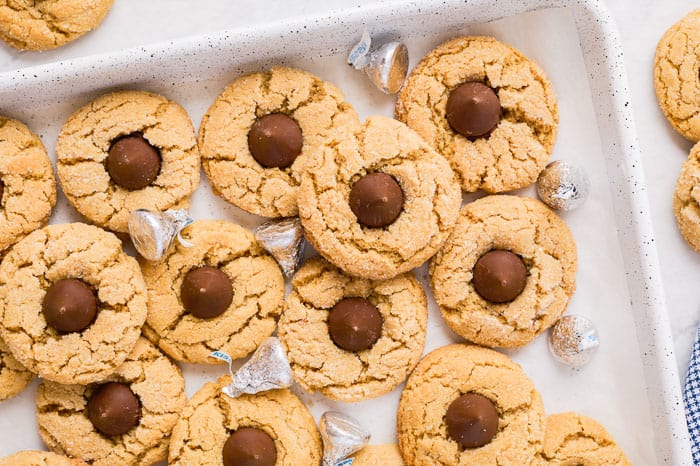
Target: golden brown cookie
83,152
431,200
546,248
517,149
210,417
258,294
49,256
318,108
47,24
443,376
39,458
378,455
27,183
319,364
160,388
572,439
686,199
14,377
676,75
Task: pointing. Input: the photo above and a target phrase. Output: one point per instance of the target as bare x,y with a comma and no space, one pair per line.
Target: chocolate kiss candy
267,369
342,436
563,186
153,233
386,64
573,340
284,239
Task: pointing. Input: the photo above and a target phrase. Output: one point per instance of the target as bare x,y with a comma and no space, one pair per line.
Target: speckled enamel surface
193,71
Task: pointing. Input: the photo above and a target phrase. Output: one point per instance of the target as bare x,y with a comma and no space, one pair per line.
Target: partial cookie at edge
676,80
572,438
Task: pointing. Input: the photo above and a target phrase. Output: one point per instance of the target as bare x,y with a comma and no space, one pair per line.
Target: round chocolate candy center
355,324
275,140
499,276
114,409
69,305
473,109
472,420
249,447
206,292
376,200
133,163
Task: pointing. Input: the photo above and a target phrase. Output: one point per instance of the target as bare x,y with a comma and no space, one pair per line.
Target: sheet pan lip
82,68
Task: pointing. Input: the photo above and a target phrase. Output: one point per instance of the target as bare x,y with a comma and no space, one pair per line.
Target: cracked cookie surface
572,439
39,458
530,230
318,107
319,364
517,150
431,200
84,143
258,294
686,199
676,80
89,254
14,377
378,455
47,24
28,191
454,370
211,416
155,380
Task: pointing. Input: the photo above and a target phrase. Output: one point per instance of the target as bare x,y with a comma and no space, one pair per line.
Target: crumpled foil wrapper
563,186
385,64
342,436
573,340
153,233
267,369
284,239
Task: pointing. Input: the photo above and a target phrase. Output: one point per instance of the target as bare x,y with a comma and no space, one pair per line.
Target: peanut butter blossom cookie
467,405
14,377
686,200
39,458
487,108
676,75
223,293
352,338
507,272
379,203
124,419
571,438
71,303
47,24
27,183
124,151
272,428
378,455
256,135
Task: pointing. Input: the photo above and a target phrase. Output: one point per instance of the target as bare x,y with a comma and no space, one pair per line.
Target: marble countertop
641,24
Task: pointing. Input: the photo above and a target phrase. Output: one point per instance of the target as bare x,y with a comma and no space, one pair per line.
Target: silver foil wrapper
563,186
342,436
284,239
573,340
153,233
267,369
385,64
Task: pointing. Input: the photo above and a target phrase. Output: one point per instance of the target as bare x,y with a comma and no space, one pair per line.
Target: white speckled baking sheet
632,385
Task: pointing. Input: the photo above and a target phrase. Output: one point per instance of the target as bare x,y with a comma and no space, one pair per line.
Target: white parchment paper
611,389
